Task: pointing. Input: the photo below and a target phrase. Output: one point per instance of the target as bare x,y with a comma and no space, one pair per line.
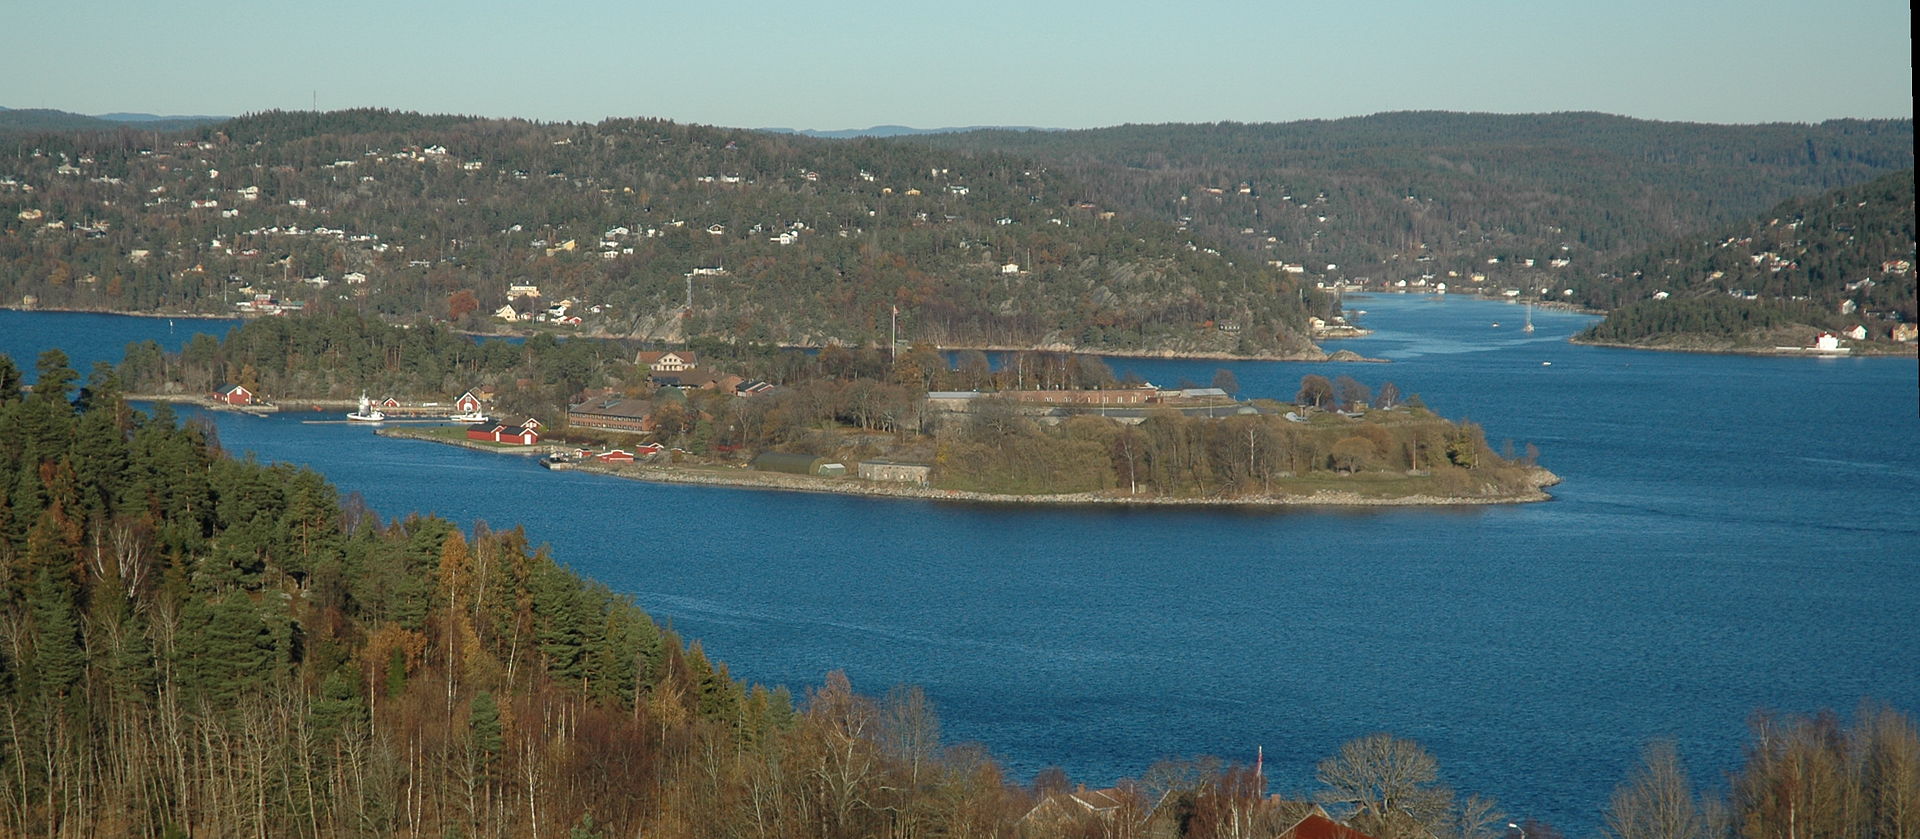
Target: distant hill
771,238
176,118
42,119
1840,259
893,131
1404,195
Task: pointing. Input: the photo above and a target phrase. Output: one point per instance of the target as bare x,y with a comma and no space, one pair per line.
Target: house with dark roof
232,395
494,432
612,413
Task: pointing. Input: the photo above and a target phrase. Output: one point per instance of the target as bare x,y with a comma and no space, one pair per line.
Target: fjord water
1734,534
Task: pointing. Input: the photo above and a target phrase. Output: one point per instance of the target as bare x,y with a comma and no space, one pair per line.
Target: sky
1052,63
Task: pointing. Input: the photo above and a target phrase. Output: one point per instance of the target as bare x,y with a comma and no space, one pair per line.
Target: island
917,421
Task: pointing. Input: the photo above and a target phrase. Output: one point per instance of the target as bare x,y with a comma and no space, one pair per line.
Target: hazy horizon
1070,65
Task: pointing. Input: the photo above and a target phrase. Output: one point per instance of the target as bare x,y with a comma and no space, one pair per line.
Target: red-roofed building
1317,825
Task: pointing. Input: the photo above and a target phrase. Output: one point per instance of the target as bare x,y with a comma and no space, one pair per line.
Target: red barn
493,432
233,395
615,456
467,403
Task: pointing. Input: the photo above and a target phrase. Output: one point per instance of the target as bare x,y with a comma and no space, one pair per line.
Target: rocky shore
752,479
744,478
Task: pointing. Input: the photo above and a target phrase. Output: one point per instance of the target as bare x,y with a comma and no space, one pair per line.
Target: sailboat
1529,326
367,412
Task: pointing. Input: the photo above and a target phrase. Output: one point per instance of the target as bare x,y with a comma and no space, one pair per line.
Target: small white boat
367,412
471,417
1529,326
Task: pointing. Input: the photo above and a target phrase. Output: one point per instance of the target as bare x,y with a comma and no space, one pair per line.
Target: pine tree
58,660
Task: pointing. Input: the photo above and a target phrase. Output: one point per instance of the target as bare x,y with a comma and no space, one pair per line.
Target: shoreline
15,307
780,482
1314,355
750,479
1764,352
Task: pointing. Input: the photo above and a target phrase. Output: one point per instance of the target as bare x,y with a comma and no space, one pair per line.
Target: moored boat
367,412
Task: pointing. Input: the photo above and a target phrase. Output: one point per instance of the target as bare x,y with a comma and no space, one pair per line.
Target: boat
1529,326
469,417
1496,324
367,412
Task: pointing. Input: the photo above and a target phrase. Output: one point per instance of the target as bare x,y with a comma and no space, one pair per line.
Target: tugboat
367,412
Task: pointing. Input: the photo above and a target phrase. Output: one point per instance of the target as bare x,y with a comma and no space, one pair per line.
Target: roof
800,464
1198,393
1068,804
618,407
690,377
652,356
1317,825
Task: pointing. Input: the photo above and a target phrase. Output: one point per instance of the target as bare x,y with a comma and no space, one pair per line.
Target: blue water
87,337
1734,534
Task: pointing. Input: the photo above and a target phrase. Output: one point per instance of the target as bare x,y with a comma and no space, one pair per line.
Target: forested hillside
622,225
1834,261
27,120
1402,195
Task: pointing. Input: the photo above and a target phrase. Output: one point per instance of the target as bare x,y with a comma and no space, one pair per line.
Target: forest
1397,196
1835,260
193,645
630,227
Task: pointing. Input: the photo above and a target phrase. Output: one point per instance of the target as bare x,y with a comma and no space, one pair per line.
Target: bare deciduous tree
1657,801
1392,787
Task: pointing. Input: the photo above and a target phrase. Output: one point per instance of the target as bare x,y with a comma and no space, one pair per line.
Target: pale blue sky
1064,63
